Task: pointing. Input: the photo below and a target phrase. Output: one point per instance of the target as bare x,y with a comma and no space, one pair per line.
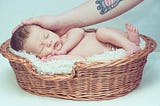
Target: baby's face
42,42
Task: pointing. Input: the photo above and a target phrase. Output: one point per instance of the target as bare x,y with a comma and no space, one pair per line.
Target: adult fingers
35,20
27,22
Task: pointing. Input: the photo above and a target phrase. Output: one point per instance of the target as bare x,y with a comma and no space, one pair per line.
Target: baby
75,44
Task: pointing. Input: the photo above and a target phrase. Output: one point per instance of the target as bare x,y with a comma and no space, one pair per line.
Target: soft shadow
150,72
11,83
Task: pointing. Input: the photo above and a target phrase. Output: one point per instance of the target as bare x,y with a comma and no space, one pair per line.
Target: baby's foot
133,34
132,48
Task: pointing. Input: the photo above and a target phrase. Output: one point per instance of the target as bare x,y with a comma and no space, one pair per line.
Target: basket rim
149,47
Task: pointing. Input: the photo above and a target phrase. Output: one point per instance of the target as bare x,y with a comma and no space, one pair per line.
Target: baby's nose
47,44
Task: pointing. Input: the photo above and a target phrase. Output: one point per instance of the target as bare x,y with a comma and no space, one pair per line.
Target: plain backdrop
145,16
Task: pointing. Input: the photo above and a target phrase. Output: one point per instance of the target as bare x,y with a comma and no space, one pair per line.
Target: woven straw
87,81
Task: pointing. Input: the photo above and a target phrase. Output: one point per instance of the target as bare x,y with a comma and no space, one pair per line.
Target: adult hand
54,23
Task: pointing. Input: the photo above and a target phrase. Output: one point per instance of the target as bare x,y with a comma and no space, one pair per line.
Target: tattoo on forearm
106,5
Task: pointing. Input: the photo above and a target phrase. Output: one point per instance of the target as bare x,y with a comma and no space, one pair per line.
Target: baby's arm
74,36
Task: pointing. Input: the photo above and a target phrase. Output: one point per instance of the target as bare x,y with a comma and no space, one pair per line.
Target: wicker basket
87,81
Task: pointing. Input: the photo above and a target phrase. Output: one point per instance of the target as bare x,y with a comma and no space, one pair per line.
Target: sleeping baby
75,44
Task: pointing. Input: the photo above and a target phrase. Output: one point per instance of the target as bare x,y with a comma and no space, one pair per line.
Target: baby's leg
133,34
118,38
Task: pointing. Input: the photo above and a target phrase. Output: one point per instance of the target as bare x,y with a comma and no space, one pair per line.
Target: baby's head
35,39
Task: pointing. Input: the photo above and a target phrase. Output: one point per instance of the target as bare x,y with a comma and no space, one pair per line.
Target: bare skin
77,44
83,15
95,43
133,34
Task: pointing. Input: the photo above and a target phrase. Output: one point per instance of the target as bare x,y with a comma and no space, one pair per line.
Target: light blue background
145,16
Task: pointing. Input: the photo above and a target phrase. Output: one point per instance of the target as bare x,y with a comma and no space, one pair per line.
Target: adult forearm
88,13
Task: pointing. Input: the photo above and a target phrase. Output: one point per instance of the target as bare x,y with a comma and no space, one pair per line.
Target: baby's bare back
88,46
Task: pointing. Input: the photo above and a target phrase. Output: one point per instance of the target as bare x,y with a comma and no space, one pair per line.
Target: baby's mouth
57,45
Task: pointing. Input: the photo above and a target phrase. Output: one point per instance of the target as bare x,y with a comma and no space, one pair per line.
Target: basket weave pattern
87,81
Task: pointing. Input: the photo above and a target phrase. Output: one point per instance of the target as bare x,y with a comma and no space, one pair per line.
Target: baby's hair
19,36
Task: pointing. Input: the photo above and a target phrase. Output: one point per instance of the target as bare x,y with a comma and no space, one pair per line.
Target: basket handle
86,69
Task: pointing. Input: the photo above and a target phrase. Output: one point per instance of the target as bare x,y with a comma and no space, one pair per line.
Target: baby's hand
47,58
61,52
